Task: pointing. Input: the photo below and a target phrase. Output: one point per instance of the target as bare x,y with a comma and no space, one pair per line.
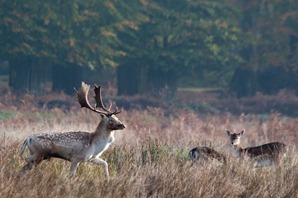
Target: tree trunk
270,81
19,76
132,80
162,82
65,78
27,75
244,82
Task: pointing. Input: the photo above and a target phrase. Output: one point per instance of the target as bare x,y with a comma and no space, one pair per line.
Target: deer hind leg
74,167
99,161
32,160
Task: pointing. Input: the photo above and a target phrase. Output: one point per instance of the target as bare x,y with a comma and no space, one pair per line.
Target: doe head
235,137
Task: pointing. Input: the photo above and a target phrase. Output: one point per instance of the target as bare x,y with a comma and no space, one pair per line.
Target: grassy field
150,157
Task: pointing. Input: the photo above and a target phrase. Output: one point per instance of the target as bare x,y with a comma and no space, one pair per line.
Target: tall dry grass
150,157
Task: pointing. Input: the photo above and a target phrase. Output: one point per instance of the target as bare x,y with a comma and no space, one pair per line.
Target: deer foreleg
99,161
73,167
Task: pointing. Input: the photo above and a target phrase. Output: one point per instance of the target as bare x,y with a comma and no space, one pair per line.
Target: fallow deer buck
79,146
265,154
206,154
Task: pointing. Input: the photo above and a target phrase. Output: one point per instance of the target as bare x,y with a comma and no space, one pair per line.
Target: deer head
108,116
235,137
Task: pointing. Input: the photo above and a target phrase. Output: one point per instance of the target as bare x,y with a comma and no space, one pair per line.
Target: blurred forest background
242,48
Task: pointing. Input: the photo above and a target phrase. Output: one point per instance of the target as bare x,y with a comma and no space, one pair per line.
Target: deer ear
228,132
241,133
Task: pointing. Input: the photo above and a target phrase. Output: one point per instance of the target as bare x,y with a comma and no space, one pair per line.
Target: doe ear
228,132
241,133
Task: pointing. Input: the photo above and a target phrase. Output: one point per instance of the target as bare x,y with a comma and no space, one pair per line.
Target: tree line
152,45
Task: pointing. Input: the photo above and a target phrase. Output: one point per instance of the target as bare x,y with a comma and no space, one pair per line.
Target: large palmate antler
99,103
82,96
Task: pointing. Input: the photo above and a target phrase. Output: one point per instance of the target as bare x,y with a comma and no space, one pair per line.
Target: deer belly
69,150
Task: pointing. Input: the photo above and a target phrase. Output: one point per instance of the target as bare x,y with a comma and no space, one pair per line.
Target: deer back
271,149
67,145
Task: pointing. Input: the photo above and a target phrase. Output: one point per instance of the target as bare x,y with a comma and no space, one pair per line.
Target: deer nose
122,126
118,126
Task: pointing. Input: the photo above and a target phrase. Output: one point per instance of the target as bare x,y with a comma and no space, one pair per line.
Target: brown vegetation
150,157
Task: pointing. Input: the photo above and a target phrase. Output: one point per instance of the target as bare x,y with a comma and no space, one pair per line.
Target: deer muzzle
121,126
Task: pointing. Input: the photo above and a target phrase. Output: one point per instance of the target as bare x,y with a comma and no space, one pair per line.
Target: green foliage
179,39
80,32
186,37
183,35
271,33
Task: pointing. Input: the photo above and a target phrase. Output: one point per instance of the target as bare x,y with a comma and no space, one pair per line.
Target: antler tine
82,95
99,102
98,99
117,111
110,106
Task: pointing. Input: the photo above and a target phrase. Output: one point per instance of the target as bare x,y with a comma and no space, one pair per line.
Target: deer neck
102,131
238,150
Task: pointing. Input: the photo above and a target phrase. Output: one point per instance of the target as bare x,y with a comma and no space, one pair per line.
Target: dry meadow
150,157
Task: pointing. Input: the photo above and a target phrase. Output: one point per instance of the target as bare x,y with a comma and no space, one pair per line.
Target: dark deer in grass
205,154
265,154
79,146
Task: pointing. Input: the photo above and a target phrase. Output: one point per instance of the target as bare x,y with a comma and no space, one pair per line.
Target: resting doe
264,154
205,154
